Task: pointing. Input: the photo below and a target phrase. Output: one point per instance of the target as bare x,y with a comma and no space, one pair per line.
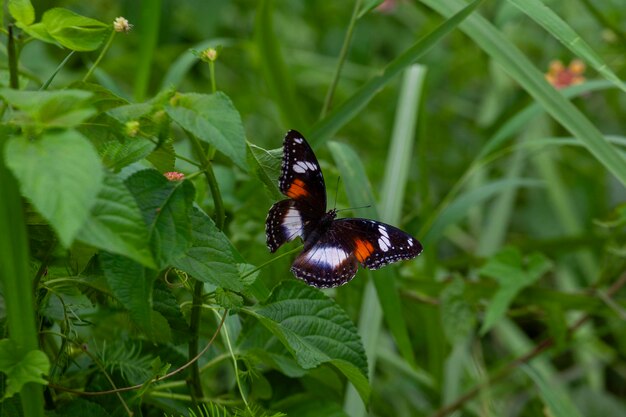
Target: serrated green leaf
214,120
315,330
116,225
22,11
209,259
228,299
51,109
165,303
131,285
116,155
75,32
166,207
457,317
21,367
163,158
265,164
508,269
38,31
60,173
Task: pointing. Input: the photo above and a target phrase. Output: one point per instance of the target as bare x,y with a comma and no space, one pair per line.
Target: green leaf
116,225
116,154
343,113
51,109
73,31
214,120
21,367
457,316
60,173
209,259
22,11
265,164
164,156
512,275
166,304
552,393
131,284
166,207
558,28
315,330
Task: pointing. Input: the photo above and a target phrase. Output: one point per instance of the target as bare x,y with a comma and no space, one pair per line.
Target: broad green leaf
552,393
343,113
51,109
60,173
209,259
315,330
116,225
265,164
166,207
457,316
38,31
73,31
512,274
558,28
131,284
214,120
116,154
21,367
22,11
166,304
164,157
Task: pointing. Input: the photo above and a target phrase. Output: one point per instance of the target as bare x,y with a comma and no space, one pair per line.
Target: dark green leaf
21,367
74,31
214,120
60,173
163,158
457,316
115,223
209,259
512,274
131,285
166,207
166,304
116,155
315,330
265,164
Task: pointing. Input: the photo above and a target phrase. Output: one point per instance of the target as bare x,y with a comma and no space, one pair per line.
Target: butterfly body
333,248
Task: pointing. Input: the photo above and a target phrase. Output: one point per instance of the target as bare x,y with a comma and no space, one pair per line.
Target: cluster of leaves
135,272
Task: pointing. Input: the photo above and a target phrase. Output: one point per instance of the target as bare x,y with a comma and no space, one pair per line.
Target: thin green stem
56,71
342,58
12,52
232,354
102,53
212,70
264,264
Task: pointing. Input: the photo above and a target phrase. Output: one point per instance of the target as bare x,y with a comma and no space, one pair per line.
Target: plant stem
342,58
212,70
194,322
56,71
11,51
102,53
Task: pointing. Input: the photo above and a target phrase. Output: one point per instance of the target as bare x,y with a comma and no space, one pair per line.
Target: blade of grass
543,15
553,394
342,114
148,24
511,59
274,68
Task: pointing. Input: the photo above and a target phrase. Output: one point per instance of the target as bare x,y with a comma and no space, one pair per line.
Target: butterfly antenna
355,208
336,192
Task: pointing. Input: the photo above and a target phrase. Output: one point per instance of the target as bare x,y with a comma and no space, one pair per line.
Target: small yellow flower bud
132,128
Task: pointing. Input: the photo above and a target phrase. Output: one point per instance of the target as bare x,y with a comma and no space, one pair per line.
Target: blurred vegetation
516,188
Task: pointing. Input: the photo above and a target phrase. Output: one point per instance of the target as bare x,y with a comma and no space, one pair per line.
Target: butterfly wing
333,259
302,181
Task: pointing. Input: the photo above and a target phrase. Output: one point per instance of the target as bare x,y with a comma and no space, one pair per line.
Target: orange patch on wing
363,249
297,190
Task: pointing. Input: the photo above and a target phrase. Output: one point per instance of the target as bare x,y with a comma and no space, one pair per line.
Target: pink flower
560,76
174,176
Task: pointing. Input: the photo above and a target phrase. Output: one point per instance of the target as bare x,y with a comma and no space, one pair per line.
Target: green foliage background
435,114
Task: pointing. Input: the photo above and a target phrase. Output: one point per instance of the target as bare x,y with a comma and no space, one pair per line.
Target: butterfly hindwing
283,224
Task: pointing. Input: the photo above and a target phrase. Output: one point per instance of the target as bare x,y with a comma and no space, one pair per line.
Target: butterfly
332,248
